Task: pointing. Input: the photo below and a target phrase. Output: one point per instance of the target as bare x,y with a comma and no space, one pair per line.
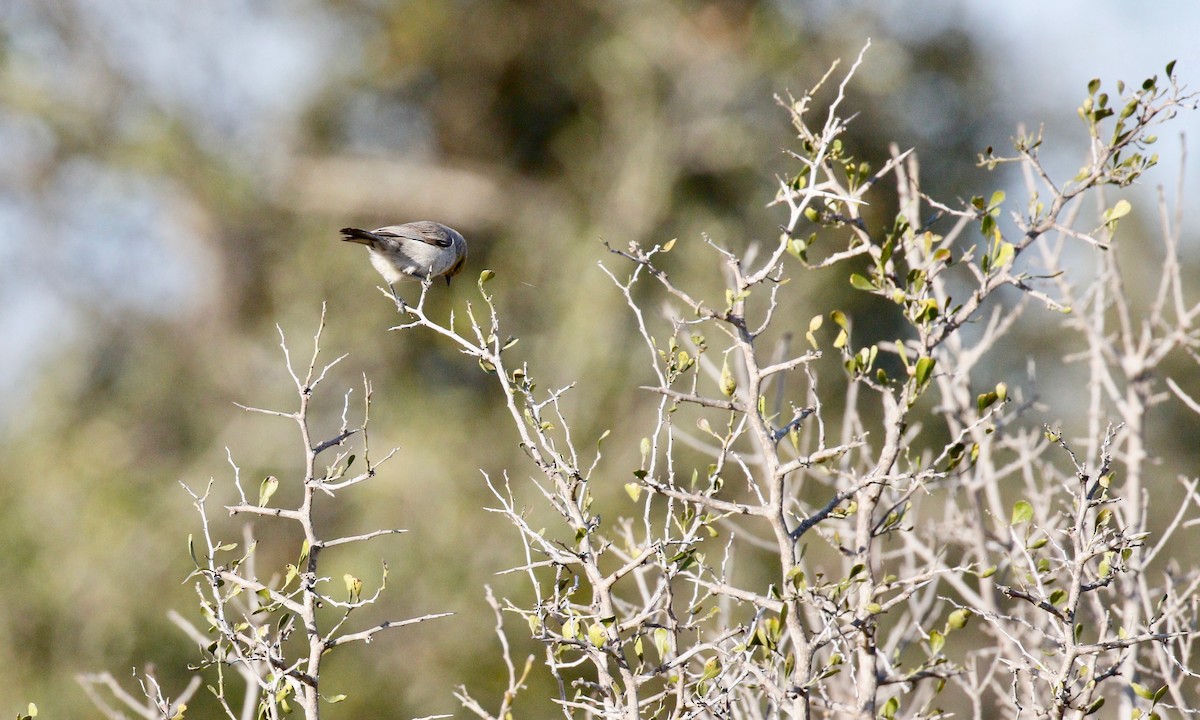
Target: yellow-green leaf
1004,255
1022,513
861,283
662,639
890,707
265,490
813,326
596,634
570,629
958,619
353,586
923,370
1118,211
728,381
192,550
936,642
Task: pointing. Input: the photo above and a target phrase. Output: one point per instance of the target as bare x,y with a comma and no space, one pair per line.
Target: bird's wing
422,231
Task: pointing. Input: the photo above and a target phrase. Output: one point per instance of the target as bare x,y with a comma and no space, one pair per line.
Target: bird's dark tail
362,237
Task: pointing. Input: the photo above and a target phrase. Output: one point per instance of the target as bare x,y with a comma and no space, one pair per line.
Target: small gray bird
419,250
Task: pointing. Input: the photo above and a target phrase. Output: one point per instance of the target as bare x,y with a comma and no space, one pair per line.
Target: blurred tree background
173,178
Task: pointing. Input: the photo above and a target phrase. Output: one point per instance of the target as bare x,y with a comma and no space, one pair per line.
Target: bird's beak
447,281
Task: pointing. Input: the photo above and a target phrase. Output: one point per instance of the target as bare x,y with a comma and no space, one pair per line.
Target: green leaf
268,487
570,629
839,317
485,276
662,638
192,549
988,229
1004,255
936,642
1022,513
596,635
668,245
1116,212
861,283
335,699
634,490
890,707
813,326
1142,691
958,619
986,400
997,199
712,668
728,381
1094,707
1093,86
923,370
353,586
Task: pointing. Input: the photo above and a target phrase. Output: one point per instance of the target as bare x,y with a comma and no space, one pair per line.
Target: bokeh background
172,178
